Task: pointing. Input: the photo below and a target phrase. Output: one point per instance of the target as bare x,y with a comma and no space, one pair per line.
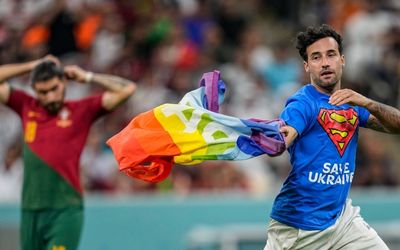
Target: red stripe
137,144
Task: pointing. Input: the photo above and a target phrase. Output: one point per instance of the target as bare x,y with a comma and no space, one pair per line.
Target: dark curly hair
313,34
46,70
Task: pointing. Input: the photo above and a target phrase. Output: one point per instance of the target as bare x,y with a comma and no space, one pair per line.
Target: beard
53,108
328,85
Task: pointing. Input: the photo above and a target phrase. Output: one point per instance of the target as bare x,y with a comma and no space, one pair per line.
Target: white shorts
350,232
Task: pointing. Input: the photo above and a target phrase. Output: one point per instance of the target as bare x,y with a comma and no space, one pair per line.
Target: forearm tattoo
373,123
113,83
385,118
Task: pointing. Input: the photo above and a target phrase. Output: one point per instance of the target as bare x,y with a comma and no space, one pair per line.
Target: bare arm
9,71
383,118
117,88
4,92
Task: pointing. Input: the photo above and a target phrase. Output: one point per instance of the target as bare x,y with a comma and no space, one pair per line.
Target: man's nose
325,63
50,96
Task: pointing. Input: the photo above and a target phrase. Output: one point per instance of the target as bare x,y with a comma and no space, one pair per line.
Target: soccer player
55,131
312,210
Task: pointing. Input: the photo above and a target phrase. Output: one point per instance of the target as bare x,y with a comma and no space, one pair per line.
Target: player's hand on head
52,58
49,57
348,96
75,73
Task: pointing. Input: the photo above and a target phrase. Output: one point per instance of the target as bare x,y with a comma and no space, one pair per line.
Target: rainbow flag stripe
190,132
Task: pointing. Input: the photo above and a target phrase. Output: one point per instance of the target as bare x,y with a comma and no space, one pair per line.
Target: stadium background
165,46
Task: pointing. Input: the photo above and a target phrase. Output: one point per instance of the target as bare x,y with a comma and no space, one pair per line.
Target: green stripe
205,120
43,187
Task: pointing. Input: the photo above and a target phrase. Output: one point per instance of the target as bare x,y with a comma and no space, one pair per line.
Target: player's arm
117,88
290,134
383,118
4,92
9,71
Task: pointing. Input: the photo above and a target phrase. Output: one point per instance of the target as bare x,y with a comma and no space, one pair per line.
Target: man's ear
306,68
343,61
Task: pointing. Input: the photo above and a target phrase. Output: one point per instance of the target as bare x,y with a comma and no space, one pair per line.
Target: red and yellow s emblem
340,125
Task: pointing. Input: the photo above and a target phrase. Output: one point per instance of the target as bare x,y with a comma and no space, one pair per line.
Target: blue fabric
322,158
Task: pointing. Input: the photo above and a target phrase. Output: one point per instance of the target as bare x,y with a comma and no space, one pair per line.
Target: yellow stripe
185,135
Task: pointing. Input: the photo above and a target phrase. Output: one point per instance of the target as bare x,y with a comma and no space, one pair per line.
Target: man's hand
75,73
348,96
383,118
45,58
290,134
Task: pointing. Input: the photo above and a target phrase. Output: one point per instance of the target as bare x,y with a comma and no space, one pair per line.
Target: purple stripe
266,135
210,81
271,146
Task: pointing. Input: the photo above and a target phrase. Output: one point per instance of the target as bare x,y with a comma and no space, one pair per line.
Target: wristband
88,77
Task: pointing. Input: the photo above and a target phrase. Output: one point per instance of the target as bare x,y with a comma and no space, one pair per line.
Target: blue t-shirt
322,158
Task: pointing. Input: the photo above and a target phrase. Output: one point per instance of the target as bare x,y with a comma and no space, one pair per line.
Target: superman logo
340,125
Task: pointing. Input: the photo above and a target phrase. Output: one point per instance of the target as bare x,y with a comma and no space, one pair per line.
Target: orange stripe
143,137
152,136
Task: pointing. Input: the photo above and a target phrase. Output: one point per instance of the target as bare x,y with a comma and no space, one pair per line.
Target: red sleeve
17,99
93,106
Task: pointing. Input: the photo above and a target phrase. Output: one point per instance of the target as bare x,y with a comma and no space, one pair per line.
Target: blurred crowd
166,45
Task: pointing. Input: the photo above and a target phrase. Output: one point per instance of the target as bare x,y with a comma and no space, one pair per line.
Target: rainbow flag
190,132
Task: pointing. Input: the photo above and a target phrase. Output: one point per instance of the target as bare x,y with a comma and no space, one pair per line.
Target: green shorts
51,229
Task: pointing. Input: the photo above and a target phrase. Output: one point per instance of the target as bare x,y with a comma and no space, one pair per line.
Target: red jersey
52,148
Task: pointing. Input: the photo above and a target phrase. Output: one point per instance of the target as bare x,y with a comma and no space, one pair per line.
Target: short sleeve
297,114
17,100
364,116
93,107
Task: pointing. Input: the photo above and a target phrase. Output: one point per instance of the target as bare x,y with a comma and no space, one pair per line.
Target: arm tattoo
385,118
373,123
109,82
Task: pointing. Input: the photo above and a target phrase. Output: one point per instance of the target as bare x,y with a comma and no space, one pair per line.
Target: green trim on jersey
43,187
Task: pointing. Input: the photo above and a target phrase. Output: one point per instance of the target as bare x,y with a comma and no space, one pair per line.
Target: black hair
313,34
45,71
